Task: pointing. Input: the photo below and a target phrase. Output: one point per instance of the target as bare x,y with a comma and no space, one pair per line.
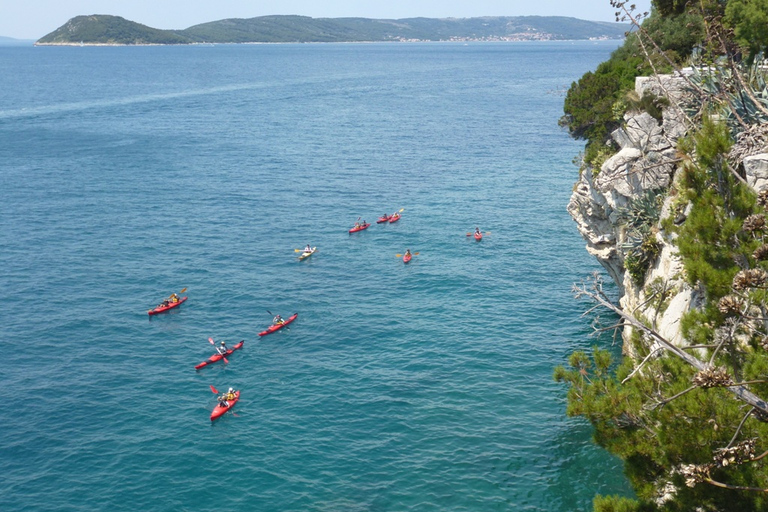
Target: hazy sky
32,19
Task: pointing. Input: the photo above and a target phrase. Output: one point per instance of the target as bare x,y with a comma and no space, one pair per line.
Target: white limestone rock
756,170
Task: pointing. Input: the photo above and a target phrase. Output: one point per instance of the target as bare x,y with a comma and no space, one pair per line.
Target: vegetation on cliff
104,29
595,104
690,422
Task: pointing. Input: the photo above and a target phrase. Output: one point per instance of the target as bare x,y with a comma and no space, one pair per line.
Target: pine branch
738,390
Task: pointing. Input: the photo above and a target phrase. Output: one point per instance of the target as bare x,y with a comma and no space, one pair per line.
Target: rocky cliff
647,161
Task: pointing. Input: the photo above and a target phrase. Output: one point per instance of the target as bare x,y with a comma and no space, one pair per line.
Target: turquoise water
130,173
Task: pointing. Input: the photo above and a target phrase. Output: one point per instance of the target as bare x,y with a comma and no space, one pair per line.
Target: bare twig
664,402
722,342
603,329
743,420
651,354
736,487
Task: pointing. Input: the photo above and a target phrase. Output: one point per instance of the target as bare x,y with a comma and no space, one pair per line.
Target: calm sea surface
127,174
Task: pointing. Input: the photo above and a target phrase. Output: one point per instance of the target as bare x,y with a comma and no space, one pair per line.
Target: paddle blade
210,340
398,255
297,250
225,360
415,254
183,290
213,389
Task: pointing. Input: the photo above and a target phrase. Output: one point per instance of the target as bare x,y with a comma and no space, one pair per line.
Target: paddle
213,389
222,355
412,254
180,292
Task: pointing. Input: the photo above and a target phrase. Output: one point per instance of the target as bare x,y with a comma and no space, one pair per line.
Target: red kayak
277,327
360,227
165,307
394,218
219,357
478,236
383,219
220,408
407,258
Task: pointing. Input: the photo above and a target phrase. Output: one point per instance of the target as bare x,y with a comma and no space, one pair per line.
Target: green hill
105,29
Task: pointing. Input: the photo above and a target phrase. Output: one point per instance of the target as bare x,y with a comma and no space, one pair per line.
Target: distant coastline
107,30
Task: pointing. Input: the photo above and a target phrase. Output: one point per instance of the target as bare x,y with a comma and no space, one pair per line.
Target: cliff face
646,161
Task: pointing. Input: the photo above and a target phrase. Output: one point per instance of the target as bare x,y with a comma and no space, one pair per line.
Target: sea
130,173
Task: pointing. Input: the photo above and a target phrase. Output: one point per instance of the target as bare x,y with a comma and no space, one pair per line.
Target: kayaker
477,231
222,348
308,248
357,225
278,320
226,397
407,252
173,298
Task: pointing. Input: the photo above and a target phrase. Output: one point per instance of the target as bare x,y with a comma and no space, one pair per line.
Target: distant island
101,29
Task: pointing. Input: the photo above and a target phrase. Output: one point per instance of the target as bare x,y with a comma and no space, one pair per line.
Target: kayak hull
218,357
407,258
220,409
273,328
394,218
163,309
306,255
383,219
478,236
360,228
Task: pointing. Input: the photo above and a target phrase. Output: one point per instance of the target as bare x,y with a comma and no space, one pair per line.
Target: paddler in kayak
407,253
226,397
308,248
222,348
477,231
278,320
173,299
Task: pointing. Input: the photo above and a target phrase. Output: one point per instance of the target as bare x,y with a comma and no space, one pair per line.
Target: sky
32,19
